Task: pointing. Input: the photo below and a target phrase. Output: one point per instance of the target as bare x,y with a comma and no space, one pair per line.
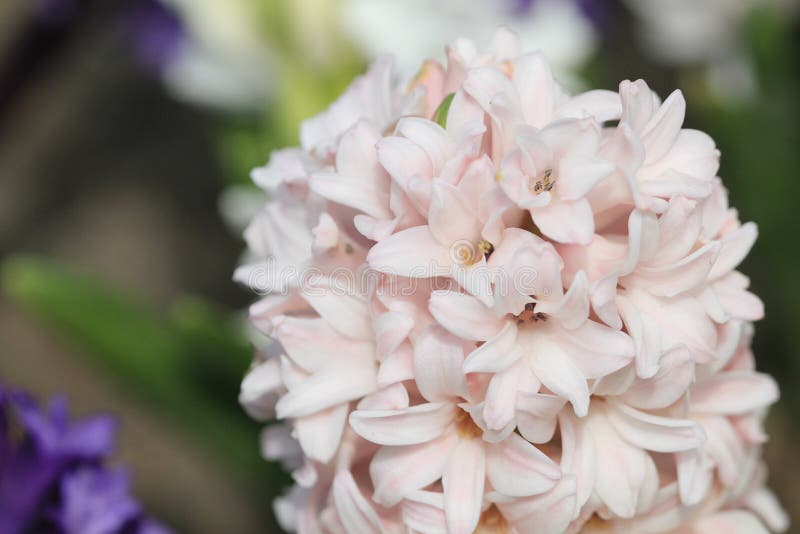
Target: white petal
355,511
398,471
464,315
463,481
325,389
438,362
409,426
413,252
516,468
653,432
734,392
496,354
319,434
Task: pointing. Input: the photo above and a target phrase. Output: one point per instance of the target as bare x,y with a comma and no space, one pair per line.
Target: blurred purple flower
51,472
594,10
156,32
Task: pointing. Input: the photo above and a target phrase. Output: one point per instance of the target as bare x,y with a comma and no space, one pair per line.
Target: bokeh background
127,131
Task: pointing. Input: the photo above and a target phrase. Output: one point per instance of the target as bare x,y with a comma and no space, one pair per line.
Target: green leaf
440,115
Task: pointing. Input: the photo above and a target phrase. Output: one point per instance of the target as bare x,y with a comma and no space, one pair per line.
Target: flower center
543,182
466,427
492,522
530,315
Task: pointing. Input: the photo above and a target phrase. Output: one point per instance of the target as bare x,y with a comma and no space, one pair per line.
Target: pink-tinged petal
639,103
601,104
263,311
413,252
764,503
661,131
566,221
394,397
534,81
464,315
621,188
572,310
518,469
596,349
496,354
352,191
549,513
577,456
306,475
676,278
537,414
343,309
726,449
451,218
403,159
260,388
359,181
735,246
487,85
326,233
278,444
463,480
423,511
354,510
319,434
646,338
369,95
553,367
433,139
695,476
677,233
285,166
622,470
653,432
675,375
734,393
734,299
397,366
669,184
292,375
312,344
475,279
409,426
375,229
578,174
504,45
326,388
438,362
391,329
501,398
603,297
693,154
398,471
730,522
616,383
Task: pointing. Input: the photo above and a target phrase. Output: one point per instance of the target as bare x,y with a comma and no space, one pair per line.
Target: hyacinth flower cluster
495,307
53,477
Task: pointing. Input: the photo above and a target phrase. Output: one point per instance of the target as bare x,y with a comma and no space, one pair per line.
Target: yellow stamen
466,427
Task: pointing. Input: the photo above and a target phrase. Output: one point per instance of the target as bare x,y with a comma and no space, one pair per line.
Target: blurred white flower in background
224,60
706,33
412,29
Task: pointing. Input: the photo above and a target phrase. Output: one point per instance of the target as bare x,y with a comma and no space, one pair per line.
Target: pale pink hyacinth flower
496,307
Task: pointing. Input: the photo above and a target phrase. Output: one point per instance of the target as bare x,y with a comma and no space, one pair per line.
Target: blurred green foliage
186,365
